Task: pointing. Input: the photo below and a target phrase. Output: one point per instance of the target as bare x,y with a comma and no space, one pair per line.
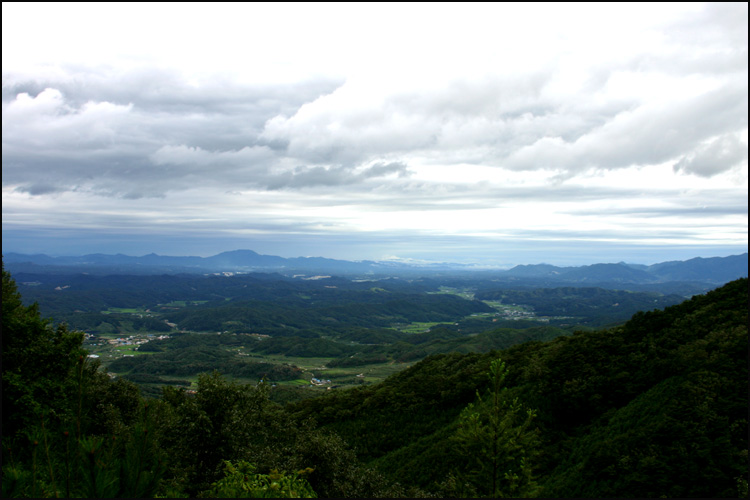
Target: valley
291,330
388,382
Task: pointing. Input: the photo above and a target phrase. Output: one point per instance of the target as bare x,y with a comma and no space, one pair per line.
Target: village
118,346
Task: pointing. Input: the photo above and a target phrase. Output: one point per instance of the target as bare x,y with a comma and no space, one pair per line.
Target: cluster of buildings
130,340
134,340
319,382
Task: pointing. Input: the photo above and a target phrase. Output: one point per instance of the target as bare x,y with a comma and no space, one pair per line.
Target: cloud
148,135
714,156
197,159
143,131
304,177
47,123
519,126
490,121
359,123
650,134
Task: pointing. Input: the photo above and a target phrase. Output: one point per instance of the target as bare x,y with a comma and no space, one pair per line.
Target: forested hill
657,406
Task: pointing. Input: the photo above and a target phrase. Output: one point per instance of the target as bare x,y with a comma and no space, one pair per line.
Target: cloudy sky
495,134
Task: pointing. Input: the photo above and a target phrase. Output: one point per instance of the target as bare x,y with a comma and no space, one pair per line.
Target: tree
67,428
496,437
221,421
38,362
242,481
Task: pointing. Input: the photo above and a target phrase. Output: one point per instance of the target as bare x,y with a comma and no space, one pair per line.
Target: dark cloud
713,157
303,177
142,135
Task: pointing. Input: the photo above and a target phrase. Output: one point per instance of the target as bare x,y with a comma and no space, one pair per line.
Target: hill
655,407
719,269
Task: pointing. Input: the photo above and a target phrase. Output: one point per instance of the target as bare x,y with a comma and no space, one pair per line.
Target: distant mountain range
233,261
714,270
711,270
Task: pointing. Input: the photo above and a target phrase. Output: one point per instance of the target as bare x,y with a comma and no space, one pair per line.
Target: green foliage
591,306
495,438
673,440
67,429
303,347
229,421
268,304
38,360
352,309
655,407
200,359
99,438
58,463
417,401
218,422
242,481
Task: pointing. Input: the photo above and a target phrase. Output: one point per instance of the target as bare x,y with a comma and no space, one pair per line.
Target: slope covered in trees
71,431
655,407
590,306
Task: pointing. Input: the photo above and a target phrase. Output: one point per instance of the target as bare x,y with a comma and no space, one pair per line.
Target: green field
341,377
464,293
415,327
505,307
183,303
124,310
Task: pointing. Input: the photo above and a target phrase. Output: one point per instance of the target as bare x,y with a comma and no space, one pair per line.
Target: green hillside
655,407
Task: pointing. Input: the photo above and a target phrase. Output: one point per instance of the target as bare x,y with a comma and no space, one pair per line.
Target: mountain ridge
714,270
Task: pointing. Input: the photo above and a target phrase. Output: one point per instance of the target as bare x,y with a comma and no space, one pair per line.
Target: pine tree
495,435
38,361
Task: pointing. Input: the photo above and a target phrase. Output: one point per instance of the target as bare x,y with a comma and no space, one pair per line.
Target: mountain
608,272
535,271
713,271
243,258
718,269
654,408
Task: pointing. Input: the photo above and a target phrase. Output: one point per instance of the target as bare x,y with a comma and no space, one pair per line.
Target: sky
494,134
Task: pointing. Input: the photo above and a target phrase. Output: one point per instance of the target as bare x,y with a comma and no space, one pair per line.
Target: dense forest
656,406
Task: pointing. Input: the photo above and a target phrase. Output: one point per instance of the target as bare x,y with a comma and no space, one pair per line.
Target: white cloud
386,119
46,121
714,156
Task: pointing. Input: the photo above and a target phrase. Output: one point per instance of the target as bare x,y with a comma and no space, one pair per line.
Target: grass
505,307
464,293
299,381
124,310
416,326
372,373
184,303
341,377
